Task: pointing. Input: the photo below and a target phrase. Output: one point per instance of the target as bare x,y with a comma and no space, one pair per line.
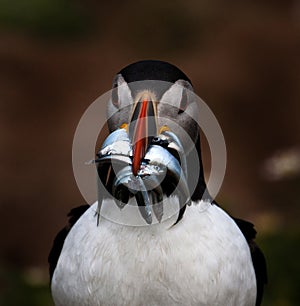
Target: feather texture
188,264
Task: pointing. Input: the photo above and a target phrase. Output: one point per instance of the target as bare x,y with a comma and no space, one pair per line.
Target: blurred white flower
283,164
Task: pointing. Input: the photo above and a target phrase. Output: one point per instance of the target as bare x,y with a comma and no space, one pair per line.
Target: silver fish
116,143
143,200
153,183
174,143
115,172
113,156
160,156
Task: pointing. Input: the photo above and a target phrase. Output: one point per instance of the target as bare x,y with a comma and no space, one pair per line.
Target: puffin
184,249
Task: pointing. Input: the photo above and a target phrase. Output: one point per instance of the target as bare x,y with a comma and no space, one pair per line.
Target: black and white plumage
206,258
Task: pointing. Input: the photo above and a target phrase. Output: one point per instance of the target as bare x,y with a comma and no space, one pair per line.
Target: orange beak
142,129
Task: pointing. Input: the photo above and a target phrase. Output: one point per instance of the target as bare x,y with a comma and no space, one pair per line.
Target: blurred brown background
58,56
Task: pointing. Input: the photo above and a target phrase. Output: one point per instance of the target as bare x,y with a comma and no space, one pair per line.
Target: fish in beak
137,160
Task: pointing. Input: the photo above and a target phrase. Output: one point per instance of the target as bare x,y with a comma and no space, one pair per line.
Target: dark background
58,56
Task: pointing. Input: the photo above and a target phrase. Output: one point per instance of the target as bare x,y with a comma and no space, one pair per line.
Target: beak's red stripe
140,142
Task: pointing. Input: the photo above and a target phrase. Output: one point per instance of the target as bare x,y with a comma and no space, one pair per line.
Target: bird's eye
114,96
183,102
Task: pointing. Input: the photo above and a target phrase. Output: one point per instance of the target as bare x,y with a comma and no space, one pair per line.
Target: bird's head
152,97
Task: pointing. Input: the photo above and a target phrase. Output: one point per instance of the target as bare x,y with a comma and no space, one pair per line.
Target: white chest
203,260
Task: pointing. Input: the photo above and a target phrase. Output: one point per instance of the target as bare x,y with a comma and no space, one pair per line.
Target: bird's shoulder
59,240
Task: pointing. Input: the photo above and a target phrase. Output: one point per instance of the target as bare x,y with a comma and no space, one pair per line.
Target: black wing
258,258
59,240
